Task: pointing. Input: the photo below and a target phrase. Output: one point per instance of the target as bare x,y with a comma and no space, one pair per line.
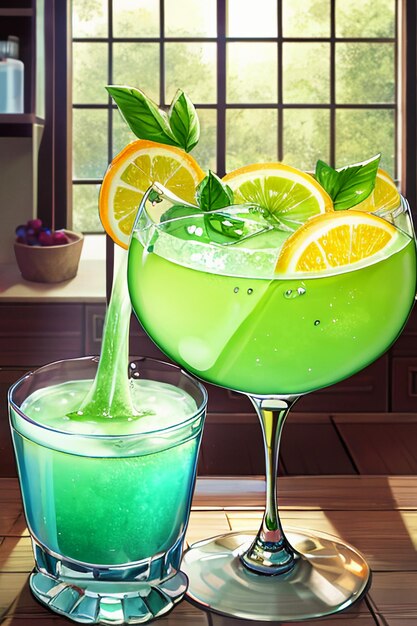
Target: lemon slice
334,240
290,195
132,172
385,196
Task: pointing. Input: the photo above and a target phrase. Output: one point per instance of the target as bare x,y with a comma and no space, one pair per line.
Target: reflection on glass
89,143
365,132
365,18
365,73
244,128
205,150
306,137
306,82
306,18
89,73
251,72
191,66
84,208
190,18
89,19
245,19
137,64
135,19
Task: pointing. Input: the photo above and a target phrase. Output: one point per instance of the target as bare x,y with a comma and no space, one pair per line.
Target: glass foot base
108,602
329,576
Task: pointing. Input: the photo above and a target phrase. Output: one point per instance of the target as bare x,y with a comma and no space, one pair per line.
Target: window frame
60,27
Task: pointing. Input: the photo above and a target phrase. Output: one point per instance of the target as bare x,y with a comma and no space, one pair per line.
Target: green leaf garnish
179,127
212,193
209,227
349,185
183,120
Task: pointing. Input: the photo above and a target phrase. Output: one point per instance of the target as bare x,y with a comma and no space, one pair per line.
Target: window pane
190,18
89,18
137,65
306,137
251,72
89,143
122,135
365,18
89,73
205,151
251,137
362,134
245,19
365,72
85,208
306,72
191,67
136,19
306,18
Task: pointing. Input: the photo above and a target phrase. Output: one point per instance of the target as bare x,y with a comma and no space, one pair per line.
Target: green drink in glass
233,312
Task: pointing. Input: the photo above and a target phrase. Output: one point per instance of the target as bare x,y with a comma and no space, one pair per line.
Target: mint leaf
350,185
179,127
183,120
144,118
223,228
212,193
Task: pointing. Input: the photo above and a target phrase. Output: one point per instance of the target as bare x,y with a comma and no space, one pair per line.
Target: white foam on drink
157,406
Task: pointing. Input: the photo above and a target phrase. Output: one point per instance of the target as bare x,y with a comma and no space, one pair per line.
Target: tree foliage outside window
319,81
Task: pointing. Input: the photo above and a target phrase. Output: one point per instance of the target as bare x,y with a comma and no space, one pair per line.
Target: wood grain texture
394,594
380,444
357,493
378,515
350,618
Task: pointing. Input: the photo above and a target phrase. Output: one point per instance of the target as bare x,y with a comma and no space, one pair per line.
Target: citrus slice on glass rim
288,194
333,240
385,197
132,172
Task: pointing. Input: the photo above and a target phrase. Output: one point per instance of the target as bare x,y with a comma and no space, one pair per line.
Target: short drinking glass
107,506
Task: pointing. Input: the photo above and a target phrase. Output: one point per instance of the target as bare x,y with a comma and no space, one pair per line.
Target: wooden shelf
16,12
20,118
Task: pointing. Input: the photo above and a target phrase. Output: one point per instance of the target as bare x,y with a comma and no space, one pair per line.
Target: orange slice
384,197
334,240
290,195
132,172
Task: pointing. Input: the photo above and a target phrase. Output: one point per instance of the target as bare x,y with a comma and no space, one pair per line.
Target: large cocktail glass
107,513
221,312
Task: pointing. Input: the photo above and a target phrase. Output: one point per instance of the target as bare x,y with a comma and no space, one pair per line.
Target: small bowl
50,264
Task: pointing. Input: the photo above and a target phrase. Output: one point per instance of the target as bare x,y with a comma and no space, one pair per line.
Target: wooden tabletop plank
394,593
388,539
316,492
381,448
391,620
205,524
342,619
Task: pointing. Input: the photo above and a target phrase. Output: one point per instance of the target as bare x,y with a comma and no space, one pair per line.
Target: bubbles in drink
294,293
250,291
236,289
317,323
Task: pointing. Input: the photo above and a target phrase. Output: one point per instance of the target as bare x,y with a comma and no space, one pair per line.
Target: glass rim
106,437
403,207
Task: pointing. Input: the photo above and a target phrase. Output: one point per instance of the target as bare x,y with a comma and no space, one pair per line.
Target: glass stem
270,552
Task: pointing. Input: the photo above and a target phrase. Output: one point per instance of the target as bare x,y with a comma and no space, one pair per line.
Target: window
289,80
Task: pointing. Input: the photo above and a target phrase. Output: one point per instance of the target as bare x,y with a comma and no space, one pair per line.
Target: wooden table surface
377,514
